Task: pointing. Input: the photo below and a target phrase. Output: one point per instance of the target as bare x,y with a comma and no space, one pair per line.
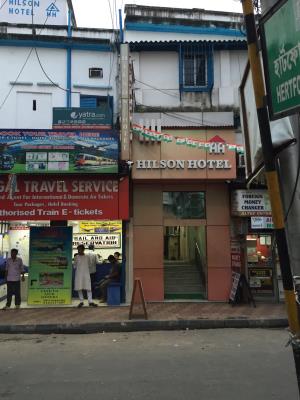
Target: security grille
195,65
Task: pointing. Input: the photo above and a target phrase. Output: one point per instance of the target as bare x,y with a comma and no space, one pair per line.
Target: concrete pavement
161,316
217,364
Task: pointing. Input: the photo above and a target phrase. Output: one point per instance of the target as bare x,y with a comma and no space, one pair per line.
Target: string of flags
167,138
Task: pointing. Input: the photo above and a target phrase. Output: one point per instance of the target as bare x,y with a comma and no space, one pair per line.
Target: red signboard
236,256
64,198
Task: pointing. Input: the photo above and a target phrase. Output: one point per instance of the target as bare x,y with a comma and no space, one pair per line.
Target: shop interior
106,236
262,266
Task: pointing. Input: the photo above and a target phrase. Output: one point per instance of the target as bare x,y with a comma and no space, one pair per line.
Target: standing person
82,276
114,276
14,270
93,267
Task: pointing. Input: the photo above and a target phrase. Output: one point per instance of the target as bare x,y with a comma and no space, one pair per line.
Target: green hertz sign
281,53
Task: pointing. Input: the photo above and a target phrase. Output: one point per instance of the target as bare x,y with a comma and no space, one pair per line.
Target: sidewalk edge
143,325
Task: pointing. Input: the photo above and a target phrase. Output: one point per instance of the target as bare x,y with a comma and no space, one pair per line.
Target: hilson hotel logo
52,10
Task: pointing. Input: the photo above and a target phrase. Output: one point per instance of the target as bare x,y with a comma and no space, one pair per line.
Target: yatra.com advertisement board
64,198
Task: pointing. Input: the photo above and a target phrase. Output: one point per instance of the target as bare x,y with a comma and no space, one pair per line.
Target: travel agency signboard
64,198
41,12
58,151
281,54
82,118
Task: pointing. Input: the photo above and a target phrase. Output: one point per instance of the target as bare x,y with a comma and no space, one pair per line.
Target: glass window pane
189,71
200,70
184,205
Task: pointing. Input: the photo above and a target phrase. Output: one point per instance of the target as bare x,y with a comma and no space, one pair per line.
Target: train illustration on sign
89,160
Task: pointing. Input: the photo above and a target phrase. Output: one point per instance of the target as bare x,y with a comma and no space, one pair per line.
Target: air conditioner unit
96,73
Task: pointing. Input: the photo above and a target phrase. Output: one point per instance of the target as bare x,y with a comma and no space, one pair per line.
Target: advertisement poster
261,279
100,226
64,198
58,151
82,118
50,266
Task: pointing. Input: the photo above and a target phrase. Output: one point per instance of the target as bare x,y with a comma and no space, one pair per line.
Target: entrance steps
182,277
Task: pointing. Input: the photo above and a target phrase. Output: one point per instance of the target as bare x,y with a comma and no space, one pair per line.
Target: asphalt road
207,365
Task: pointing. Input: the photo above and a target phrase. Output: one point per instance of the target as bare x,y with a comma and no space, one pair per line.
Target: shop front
46,215
261,259
181,215
35,223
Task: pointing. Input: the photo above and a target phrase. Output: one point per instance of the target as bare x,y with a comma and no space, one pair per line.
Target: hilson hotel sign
183,164
214,148
42,12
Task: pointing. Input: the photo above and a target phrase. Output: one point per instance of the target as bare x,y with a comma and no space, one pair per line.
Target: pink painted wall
148,223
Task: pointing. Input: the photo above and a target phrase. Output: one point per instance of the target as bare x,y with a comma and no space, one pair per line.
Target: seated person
114,276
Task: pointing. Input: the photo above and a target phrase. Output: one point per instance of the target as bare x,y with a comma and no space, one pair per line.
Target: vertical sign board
281,54
50,266
125,122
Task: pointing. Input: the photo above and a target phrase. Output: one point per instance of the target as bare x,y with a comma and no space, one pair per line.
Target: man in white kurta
82,276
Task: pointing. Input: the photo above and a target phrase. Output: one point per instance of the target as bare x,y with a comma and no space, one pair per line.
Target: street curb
143,325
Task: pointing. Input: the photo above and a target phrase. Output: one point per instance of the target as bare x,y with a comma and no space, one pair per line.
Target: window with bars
196,68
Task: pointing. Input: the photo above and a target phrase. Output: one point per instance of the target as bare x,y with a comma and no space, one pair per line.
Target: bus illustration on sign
7,161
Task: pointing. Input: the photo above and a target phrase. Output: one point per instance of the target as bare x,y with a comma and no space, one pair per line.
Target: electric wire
201,123
48,77
112,52
16,80
26,60
40,62
159,90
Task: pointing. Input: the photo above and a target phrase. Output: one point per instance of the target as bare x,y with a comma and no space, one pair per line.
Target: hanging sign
262,223
110,226
50,266
106,241
58,151
250,203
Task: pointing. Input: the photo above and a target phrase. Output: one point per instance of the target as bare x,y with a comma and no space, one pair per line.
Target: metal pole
272,180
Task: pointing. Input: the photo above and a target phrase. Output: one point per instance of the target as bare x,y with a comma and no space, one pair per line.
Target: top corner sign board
281,54
39,12
58,151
